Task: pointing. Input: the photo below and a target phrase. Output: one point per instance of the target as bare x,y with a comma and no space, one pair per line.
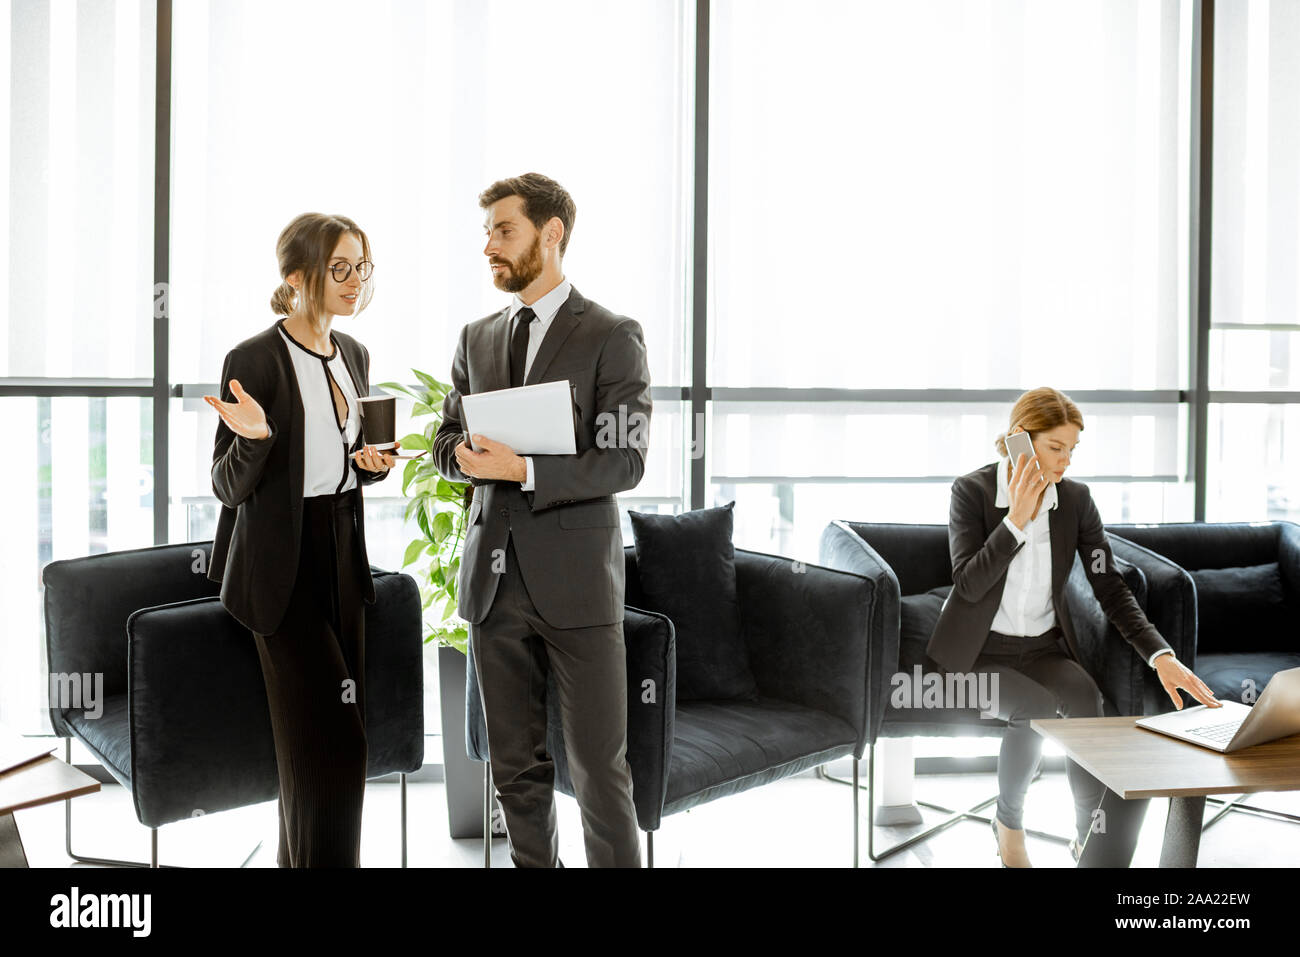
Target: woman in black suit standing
1013,531
290,550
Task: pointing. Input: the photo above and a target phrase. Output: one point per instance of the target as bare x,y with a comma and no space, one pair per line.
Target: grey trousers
1037,678
514,648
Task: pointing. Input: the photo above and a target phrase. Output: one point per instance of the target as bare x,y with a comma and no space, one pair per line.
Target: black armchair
1246,596
807,630
185,725
913,570
1245,603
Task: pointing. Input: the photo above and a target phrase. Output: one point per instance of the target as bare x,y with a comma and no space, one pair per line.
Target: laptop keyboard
1220,733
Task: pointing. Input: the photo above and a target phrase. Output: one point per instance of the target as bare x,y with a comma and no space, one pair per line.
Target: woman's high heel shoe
997,841
997,837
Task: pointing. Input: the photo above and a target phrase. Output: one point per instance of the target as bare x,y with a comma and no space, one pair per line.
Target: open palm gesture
243,416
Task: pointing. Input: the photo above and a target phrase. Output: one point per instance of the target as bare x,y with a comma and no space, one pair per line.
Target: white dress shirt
326,465
545,309
1026,607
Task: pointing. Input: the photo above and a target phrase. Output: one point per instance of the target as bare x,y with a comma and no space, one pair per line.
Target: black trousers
314,667
1037,678
513,649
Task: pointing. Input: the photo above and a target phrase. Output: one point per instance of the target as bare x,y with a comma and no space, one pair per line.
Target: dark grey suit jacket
982,547
567,540
259,482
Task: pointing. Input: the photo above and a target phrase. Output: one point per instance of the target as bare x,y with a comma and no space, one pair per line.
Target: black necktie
519,346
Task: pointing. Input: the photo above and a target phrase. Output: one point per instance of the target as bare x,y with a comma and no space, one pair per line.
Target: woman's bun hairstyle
282,300
1037,410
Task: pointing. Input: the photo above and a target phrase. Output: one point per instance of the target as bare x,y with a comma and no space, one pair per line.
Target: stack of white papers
532,419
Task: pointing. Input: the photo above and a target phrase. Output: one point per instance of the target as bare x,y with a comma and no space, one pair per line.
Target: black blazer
981,547
259,482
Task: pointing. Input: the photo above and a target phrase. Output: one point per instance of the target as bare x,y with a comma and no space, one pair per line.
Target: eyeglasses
341,271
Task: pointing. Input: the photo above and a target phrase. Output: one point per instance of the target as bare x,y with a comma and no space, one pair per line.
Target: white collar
546,307
1004,501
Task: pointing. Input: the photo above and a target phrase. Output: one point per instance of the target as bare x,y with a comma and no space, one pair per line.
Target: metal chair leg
1236,805
487,814
112,861
67,831
856,812
403,780
650,848
955,816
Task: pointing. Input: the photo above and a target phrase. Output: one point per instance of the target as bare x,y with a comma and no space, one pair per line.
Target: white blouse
326,463
1026,607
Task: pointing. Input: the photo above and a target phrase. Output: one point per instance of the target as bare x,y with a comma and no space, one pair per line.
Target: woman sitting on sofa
1013,531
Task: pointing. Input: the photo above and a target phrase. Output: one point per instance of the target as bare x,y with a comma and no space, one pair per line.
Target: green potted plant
440,510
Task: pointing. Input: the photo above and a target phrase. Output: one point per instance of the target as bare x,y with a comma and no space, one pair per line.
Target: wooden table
1136,763
41,782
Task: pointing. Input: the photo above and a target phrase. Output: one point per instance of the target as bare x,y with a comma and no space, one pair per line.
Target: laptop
1236,726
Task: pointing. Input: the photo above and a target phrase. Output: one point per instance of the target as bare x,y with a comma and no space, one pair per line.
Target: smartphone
1019,443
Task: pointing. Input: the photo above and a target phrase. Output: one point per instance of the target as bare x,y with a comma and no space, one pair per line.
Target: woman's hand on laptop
1174,675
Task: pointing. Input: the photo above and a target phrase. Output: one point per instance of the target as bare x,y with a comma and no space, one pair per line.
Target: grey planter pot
464,778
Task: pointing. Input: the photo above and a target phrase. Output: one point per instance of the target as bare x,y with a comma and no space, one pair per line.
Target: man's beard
523,272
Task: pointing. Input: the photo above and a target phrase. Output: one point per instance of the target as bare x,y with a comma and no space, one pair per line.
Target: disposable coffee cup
379,421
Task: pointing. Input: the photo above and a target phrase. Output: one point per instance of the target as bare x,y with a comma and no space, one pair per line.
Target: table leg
11,844
1183,831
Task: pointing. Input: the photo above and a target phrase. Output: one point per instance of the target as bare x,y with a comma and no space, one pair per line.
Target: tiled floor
798,822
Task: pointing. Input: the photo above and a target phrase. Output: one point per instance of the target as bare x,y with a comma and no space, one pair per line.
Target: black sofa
913,568
185,725
808,633
1247,583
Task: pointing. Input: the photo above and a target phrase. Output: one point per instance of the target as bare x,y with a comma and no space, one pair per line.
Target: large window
76,306
955,194
83,485
411,111
1252,472
792,467
963,195
76,266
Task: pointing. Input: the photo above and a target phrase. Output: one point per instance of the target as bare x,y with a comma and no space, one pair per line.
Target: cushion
108,737
918,614
723,747
1230,677
687,567
1243,609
